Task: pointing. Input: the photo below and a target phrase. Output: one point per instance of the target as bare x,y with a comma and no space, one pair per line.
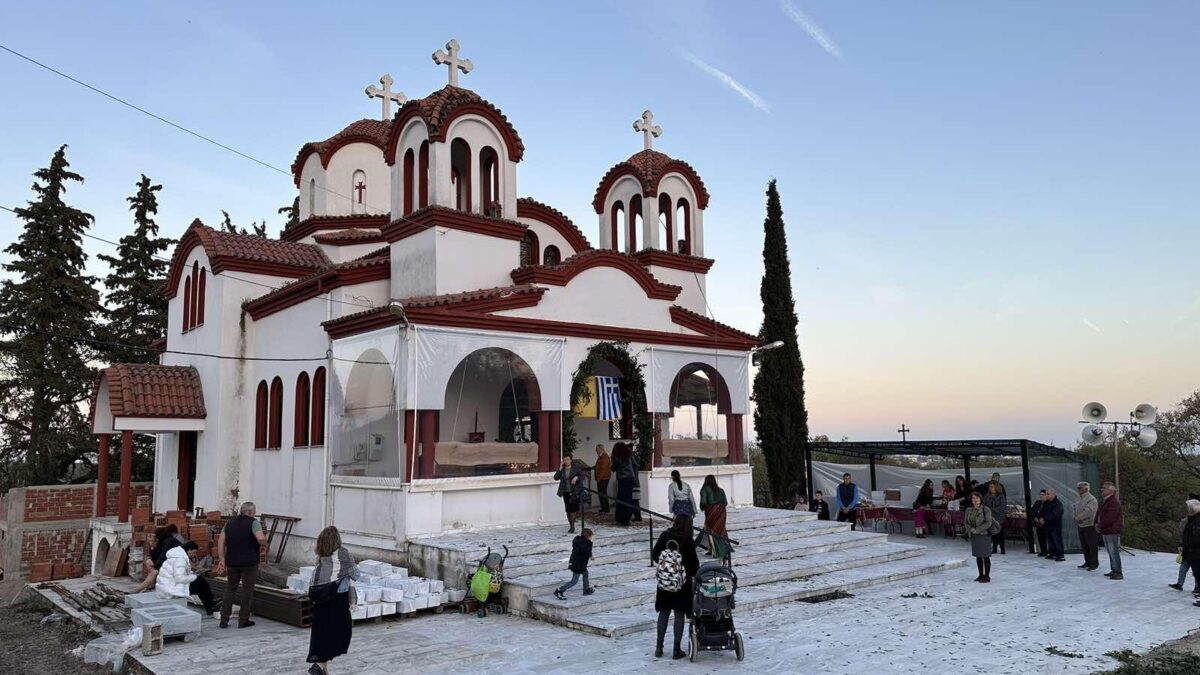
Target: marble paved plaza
1032,609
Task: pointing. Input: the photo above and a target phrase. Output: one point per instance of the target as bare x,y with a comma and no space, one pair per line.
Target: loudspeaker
1144,437
1095,412
1092,434
1145,414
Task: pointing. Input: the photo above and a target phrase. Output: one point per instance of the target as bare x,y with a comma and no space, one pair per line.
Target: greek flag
608,390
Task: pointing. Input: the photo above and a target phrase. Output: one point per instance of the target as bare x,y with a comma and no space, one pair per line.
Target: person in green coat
713,503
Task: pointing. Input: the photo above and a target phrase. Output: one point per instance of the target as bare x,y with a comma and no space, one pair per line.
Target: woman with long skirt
330,594
979,524
713,503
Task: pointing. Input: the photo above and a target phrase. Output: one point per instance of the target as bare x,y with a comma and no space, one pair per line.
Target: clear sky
992,209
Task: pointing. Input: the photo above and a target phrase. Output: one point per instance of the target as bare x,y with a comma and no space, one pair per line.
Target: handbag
321,594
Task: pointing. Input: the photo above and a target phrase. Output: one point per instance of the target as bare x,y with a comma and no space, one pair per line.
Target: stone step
642,590
632,619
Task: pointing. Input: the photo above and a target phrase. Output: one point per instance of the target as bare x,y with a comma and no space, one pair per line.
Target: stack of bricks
203,531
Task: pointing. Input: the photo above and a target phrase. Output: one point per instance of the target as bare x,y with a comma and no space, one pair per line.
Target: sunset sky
993,211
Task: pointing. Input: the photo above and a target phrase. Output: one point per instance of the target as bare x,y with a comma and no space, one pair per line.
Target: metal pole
808,466
967,472
651,519
873,488
1116,459
1025,479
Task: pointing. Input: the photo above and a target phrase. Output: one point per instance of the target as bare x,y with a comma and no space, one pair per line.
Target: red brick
41,571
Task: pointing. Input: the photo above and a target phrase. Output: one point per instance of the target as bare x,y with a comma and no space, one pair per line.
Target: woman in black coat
678,602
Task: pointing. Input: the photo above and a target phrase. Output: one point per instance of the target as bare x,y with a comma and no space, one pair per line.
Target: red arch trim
557,220
561,275
650,182
325,154
437,132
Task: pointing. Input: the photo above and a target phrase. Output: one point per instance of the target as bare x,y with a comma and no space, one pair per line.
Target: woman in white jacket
679,497
176,578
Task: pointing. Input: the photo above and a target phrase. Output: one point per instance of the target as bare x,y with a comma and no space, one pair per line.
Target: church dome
442,107
649,167
374,132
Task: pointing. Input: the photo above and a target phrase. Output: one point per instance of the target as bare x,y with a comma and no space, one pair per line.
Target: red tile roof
316,224
370,131
648,167
544,213
472,297
245,253
562,273
151,390
481,302
373,266
440,108
345,237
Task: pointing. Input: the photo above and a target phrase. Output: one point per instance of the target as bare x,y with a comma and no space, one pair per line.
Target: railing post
651,519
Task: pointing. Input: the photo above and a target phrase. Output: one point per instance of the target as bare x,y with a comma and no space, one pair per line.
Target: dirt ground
30,647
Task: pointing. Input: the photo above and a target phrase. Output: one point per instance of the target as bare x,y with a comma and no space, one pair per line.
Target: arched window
617,227
551,256
665,231
317,437
489,182
635,223
200,285
312,197
423,176
683,216
275,416
192,323
529,249
300,414
358,192
260,416
409,178
187,303
460,174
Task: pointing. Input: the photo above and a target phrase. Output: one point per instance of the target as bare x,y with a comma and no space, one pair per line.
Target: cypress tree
48,300
780,417
137,314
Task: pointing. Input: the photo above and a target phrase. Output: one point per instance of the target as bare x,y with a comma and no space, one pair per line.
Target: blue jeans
1183,572
1112,544
574,580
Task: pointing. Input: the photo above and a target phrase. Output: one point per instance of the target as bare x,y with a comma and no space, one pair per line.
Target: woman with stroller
675,541
626,481
330,595
998,503
680,501
713,502
980,525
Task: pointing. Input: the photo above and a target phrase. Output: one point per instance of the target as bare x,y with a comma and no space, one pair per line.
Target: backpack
670,573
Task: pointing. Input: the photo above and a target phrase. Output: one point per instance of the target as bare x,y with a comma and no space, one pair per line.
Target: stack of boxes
383,589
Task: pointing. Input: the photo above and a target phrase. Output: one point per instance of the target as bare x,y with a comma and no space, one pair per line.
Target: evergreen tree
45,376
257,230
780,417
292,213
137,313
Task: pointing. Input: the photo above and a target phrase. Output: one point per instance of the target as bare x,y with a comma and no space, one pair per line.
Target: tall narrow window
409,178
529,249
187,303
683,218
460,174
423,176
358,194
200,286
635,223
664,223
489,182
617,227
551,256
317,437
275,416
195,287
300,420
260,416
312,197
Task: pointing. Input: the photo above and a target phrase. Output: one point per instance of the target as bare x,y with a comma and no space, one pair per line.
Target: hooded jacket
175,575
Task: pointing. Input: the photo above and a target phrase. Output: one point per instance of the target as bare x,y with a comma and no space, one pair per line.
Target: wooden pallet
408,615
294,609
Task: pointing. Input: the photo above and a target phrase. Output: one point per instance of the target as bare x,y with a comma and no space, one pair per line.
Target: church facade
408,356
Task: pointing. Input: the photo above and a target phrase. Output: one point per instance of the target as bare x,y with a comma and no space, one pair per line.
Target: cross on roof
387,95
452,62
648,129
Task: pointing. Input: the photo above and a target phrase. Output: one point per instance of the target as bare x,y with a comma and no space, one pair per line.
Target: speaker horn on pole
1095,412
1145,414
1092,434
1145,437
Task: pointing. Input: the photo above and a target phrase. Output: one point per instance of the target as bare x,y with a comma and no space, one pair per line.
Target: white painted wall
411,137
339,175
693,284
414,265
340,254
312,187
479,133
547,236
467,261
612,298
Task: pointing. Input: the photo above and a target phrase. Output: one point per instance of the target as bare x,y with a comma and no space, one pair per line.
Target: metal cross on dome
452,62
387,95
648,129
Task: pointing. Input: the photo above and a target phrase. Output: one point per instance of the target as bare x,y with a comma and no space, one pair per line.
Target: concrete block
367,579
422,587
394,582
445,597
436,586
399,573
457,594
152,599
306,573
372,593
297,583
358,611
175,620
389,608
392,595
374,609
408,605
152,639
375,568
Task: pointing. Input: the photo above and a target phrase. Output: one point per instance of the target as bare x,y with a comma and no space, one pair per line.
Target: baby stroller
486,584
713,601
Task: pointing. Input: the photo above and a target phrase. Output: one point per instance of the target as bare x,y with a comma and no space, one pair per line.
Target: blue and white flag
608,390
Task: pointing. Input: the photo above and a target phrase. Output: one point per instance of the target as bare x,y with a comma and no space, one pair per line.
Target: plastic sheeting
440,350
365,430
665,364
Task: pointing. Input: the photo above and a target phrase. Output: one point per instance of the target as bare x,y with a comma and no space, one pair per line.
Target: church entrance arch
698,427
636,427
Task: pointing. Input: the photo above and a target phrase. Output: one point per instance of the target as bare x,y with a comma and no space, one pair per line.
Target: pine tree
780,417
45,376
137,314
292,213
257,230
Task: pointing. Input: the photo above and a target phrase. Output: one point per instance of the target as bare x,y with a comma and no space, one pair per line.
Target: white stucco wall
467,261
339,176
693,285
414,265
411,137
611,298
479,133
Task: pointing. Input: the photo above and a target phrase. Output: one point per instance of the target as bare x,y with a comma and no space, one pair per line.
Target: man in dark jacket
1052,515
819,506
1035,517
847,502
238,548
1108,523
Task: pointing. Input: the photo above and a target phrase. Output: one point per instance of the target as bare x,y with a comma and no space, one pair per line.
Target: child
819,506
581,553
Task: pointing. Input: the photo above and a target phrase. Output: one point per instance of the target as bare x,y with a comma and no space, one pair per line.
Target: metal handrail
729,543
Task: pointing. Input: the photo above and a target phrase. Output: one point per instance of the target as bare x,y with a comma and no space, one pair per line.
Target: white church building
407,352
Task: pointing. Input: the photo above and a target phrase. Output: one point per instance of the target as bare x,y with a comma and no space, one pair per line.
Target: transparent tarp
365,434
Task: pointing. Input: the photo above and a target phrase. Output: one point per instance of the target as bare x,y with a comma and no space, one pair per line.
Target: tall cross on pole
903,431
452,62
648,129
387,95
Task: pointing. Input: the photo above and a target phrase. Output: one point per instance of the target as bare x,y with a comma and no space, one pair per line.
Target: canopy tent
1042,466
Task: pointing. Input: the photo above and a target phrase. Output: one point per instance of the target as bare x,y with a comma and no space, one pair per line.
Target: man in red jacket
1108,522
